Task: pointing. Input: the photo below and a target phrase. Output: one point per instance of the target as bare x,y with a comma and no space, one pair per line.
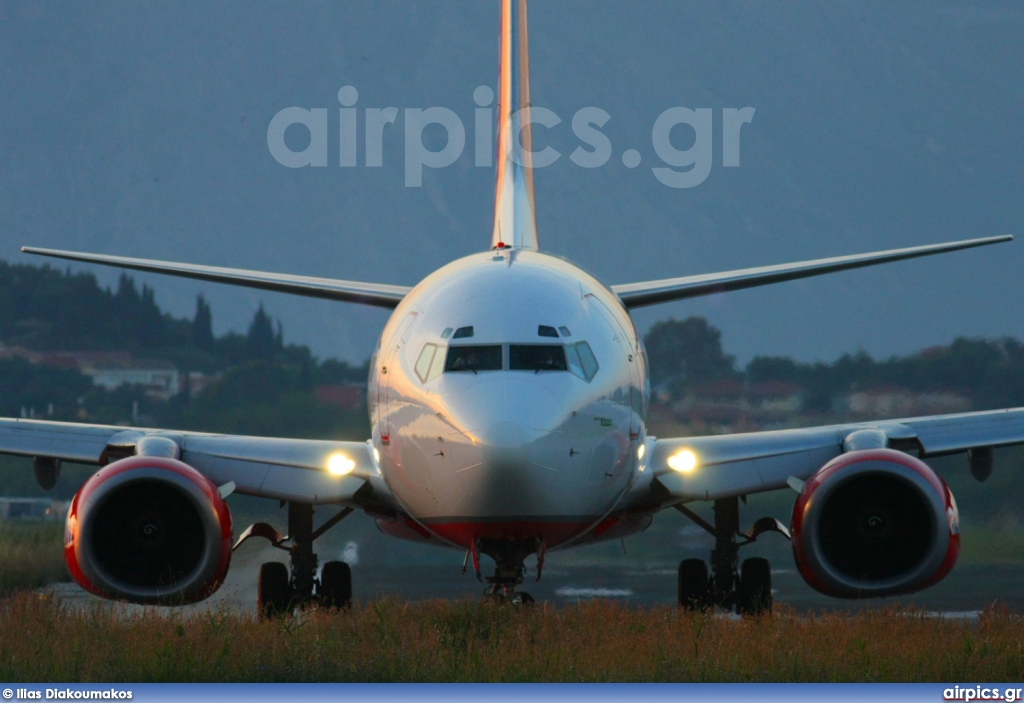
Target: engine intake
875,522
149,530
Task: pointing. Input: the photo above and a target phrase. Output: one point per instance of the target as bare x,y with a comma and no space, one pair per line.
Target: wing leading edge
635,295
282,469
740,464
376,294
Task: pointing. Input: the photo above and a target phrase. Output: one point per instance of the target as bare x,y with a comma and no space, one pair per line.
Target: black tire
275,593
754,596
522,599
335,585
694,587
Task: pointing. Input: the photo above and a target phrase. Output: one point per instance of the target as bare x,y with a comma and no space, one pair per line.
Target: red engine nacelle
149,530
875,522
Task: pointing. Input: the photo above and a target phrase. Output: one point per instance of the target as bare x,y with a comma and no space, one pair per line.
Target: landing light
683,461
640,453
340,465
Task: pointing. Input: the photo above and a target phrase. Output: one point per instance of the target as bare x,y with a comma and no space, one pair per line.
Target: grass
31,555
981,544
392,640
43,639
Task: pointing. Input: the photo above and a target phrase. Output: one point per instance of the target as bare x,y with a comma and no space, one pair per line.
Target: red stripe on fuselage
551,533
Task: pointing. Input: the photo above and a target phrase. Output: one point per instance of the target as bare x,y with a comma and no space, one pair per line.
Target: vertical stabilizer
515,218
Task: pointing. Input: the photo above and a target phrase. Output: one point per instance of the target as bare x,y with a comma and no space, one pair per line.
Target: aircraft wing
635,295
739,464
376,294
284,469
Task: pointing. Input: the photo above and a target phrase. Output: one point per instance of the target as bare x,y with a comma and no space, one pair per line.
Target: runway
968,591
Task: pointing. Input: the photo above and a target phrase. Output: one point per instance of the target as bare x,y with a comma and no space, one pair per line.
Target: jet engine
875,522
148,530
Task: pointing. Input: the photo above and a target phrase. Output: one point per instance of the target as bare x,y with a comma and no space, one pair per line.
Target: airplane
508,397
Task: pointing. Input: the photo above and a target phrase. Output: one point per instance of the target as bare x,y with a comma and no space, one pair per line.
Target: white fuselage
497,435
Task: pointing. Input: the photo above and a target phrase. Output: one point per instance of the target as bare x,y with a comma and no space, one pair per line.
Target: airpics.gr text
679,168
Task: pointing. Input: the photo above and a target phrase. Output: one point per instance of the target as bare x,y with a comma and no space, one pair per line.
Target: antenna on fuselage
515,217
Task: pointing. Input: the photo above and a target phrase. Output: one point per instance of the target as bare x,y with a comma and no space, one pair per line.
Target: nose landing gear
509,568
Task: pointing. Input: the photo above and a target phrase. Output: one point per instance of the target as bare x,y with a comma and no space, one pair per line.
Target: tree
140,320
261,342
685,353
202,325
37,387
775,368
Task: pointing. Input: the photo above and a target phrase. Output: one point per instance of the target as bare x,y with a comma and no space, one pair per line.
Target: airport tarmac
968,591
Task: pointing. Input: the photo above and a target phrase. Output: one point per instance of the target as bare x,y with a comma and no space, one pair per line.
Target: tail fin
515,217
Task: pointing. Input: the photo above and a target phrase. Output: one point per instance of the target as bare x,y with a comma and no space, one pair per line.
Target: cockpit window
447,333
582,361
422,366
590,365
430,362
463,333
478,358
578,358
572,355
536,357
545,331
437,366
565,331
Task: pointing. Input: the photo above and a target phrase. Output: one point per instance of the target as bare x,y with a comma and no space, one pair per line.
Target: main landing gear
747,588
282,589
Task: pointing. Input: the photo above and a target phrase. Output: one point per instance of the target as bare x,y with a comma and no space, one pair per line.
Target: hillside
67,341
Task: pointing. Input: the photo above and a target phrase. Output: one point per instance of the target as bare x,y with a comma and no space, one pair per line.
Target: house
899,402
13,352
109,369
159,378
33,509
727,405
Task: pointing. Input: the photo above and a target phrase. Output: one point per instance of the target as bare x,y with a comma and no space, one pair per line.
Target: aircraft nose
509,460
507,413
505,434
509,450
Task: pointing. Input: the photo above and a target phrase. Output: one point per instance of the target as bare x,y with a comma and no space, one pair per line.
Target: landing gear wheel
694,587
754,596
335,585
275,595
521,599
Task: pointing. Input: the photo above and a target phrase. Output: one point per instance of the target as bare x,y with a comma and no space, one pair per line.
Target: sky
141,129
